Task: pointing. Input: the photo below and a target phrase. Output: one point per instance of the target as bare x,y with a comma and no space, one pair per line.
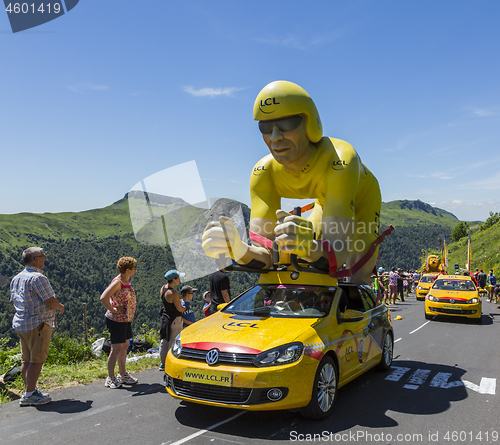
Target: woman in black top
171,314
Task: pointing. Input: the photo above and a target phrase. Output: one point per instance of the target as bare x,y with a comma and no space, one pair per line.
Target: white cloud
436,175
83,86
485,111
469,210
291,41
212,92
491,183
287,42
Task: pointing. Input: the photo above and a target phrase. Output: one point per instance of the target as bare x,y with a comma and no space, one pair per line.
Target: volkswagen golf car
286,343
453,295
424,285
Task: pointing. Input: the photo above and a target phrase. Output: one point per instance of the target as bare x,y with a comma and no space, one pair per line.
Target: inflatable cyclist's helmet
282,99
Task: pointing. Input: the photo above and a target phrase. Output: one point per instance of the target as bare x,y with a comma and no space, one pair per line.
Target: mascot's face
434,263
289,148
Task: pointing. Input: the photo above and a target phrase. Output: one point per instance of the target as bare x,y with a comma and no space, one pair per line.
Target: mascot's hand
217,236
294,234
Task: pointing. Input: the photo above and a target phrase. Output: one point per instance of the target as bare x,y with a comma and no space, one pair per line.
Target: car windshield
426,279
455,285
283,301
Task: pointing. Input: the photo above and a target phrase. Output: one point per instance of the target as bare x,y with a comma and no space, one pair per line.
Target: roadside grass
70,363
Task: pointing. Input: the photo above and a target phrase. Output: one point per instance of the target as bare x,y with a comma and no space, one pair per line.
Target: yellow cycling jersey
334,176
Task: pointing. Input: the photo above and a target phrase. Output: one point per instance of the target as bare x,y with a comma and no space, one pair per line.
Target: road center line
199,433
420,327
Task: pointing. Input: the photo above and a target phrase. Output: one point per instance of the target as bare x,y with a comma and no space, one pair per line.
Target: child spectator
206,305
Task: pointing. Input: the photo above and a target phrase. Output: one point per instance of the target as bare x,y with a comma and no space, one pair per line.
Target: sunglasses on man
285,124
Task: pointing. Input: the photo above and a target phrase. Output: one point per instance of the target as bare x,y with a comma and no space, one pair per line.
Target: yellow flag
469,255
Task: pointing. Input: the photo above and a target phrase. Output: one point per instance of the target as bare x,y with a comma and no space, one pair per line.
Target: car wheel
324,391
387,353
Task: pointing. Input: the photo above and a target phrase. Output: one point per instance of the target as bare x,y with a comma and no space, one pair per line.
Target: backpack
140,346
12,374
106,346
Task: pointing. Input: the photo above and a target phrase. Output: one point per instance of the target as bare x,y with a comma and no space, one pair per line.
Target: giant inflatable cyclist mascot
344,222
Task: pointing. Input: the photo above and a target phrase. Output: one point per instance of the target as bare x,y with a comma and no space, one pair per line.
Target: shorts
393,288
175,329
120,331
35,344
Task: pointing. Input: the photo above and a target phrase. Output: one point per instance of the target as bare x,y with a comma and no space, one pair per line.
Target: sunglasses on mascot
285,124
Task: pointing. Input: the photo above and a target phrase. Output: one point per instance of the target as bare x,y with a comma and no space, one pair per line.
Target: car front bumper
454,310
251,388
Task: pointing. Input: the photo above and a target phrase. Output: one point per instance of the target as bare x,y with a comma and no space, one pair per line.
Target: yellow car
289,342
454,295
424,285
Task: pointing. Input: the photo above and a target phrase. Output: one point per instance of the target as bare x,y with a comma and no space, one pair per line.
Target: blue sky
117,90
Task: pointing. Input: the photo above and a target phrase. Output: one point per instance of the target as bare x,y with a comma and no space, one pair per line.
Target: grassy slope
21,229
485,251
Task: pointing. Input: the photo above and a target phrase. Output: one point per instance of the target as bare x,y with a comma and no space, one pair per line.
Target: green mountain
83,248
416,213
418,226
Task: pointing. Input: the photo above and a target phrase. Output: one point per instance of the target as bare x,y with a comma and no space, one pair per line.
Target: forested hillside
403,247
417,226
80,270
82,265
83,248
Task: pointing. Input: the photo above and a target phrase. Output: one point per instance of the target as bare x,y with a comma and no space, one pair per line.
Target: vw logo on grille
212,356
452,301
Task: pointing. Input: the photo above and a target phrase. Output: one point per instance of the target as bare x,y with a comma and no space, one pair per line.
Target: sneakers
112,382
126,379
162,368
36,398
40,393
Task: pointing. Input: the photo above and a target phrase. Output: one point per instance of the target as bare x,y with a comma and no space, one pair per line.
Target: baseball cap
173,274
380,269
205,293
481,270
187,289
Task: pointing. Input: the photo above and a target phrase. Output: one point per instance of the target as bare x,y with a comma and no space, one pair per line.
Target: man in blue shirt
187,293
36,304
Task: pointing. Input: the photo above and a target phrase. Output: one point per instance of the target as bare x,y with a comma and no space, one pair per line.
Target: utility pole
85,323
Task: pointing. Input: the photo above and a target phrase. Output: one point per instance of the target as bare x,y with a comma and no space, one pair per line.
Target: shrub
150,335
65,351
492,220
9,357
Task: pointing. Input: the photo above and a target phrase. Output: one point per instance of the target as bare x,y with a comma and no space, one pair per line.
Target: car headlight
177,346
420,288
472,301
282,355
432,298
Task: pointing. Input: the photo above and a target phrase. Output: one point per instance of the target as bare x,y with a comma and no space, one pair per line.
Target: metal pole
85,323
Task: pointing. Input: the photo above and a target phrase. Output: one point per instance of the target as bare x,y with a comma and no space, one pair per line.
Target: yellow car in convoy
424,284
289,342
453,295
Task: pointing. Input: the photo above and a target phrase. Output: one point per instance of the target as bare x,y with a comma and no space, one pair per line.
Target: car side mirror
221,306
352,315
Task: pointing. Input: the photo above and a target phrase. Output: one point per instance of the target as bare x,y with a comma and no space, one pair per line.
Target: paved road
443,381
